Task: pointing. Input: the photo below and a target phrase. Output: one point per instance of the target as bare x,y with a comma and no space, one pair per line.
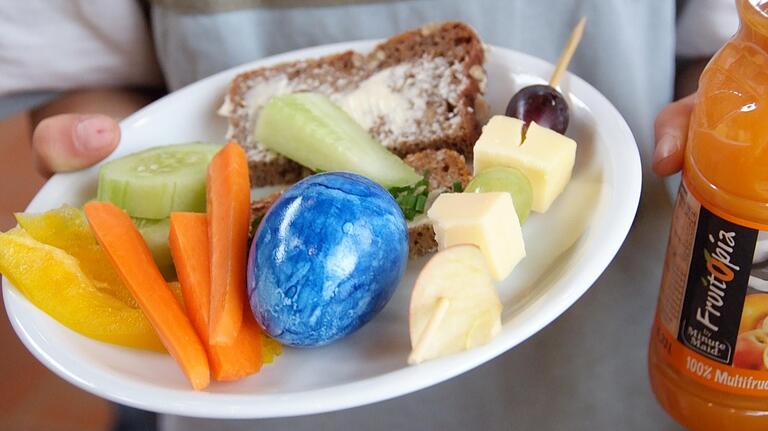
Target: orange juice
708,356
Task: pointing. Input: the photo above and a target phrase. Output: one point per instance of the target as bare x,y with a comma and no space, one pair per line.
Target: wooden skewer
417,355
567,53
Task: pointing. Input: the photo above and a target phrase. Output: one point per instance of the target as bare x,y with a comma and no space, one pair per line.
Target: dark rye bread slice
421,89
444,168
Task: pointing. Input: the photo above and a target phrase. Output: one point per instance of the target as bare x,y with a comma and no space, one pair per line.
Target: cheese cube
487,220
545,156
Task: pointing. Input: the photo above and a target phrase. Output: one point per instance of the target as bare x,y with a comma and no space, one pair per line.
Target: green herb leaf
421,203
412,199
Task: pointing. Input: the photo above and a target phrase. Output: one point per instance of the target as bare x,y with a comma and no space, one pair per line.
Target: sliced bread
419,90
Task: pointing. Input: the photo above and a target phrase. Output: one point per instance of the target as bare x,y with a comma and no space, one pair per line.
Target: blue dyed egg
326,258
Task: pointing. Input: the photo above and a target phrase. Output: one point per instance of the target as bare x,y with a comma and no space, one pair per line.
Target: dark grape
542,104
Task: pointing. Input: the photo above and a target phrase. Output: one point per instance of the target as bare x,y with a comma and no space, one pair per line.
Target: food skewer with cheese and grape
522,162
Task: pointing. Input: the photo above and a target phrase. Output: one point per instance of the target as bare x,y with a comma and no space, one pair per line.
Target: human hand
671,135
68,142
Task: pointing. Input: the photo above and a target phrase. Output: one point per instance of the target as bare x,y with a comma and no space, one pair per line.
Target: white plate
568,248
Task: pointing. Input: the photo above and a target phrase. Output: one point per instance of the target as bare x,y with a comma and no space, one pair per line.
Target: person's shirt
48,47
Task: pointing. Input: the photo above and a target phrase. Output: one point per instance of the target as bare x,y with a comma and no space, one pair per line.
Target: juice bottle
708,361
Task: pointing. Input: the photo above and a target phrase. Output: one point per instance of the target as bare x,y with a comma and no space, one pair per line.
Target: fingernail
94,133
667,145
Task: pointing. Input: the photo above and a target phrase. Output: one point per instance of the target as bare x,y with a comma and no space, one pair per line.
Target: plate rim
356,393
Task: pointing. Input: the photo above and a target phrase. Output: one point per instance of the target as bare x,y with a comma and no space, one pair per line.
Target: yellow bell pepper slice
55,282
67,229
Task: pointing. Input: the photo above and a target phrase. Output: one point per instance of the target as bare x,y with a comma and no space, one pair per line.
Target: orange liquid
726,168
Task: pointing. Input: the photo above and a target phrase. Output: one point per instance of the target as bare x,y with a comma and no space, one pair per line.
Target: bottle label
712,316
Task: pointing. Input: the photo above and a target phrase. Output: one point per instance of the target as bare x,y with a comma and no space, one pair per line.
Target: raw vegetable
54,281
311,130
67,229
270,349
155,234
133,260
152,183
190,250
188,240
175,288
242,357
229,213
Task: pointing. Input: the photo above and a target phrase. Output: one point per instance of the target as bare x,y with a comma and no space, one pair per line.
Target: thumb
69,142
671,134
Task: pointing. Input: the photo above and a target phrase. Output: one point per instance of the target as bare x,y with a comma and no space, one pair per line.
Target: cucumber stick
152,183
155,234
311,130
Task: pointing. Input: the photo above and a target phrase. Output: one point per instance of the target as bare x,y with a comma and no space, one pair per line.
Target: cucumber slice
155,233
152,183
311,130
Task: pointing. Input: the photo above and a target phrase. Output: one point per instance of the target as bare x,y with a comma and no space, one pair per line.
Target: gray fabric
586,371
14,103
214,6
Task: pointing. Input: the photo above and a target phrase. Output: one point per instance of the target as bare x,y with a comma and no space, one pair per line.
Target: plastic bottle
708,361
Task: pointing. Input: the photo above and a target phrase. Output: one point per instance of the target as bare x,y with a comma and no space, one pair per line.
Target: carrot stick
190,252
228,199
241,358
188,241
175,288
133,261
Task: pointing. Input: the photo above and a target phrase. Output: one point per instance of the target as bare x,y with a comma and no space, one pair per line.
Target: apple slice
454,304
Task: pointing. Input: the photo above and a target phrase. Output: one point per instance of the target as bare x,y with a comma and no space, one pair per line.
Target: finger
671,134
73,141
